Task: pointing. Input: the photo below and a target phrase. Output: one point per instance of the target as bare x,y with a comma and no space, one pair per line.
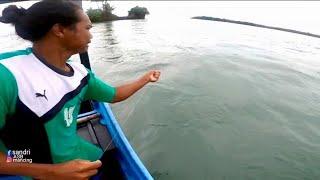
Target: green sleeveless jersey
34,91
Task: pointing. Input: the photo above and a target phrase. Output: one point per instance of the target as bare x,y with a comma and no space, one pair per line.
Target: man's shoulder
9,58
7,79
11,54
77,66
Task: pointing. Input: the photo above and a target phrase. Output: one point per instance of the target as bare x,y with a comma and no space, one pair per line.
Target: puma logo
42,95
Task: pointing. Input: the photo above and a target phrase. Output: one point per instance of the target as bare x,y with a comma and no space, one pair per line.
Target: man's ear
58,30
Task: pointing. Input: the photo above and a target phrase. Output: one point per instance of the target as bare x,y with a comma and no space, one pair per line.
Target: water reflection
139,27
105,44
111,38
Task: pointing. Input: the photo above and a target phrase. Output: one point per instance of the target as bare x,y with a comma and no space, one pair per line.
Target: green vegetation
102,14
105,13
138,12
95,15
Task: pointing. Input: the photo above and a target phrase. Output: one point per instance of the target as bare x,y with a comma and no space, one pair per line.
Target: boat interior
90,128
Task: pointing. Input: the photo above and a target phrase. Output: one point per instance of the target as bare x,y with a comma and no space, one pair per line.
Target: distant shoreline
256,25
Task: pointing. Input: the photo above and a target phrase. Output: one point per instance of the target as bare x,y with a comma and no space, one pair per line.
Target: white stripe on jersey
39,87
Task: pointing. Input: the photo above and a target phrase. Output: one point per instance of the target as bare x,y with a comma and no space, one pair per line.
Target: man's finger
91,172
92,165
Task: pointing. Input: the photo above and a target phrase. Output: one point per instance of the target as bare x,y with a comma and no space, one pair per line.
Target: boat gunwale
136,167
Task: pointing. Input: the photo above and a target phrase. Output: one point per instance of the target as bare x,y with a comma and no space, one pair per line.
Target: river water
233,101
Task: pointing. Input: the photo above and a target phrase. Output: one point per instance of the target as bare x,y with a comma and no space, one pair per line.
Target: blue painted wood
130,162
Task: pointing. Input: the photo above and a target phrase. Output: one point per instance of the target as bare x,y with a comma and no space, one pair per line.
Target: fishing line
128,115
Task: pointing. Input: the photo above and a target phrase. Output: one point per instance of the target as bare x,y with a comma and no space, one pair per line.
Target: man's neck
52,54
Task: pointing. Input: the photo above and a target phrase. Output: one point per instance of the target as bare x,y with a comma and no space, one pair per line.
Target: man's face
77,39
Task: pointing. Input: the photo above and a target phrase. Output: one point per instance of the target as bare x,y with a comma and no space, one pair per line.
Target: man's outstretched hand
152,76
126,90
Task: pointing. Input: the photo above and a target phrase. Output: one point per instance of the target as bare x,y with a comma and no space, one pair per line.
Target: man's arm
73,170
127,90
100,91
23,169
